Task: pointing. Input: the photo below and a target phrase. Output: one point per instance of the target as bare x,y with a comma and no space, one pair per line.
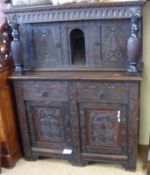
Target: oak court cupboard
76,81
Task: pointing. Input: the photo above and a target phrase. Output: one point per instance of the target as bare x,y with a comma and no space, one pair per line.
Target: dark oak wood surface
77,80
78,75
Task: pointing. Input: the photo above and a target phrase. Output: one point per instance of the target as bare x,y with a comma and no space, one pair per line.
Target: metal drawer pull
58,45
45,94
102,93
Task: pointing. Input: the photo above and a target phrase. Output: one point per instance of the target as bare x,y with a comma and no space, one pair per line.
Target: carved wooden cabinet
76,82
9,137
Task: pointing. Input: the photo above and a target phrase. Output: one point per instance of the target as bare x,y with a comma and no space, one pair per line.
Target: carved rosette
133,45
16,48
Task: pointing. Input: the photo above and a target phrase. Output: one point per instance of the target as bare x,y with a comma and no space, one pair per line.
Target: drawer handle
97,44
45,94
58,45
102,93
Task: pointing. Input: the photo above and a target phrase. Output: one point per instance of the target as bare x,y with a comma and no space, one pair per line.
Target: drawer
40,90
109,92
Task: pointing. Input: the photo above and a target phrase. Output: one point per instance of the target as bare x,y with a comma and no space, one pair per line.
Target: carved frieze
72,14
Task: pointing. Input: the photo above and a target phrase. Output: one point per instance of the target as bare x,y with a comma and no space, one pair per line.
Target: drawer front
103,91
41,90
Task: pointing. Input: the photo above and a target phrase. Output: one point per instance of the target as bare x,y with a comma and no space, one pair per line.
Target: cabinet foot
32,158
129,167
79,163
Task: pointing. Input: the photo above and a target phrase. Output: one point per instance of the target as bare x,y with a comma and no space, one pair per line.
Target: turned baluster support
133,45
16,48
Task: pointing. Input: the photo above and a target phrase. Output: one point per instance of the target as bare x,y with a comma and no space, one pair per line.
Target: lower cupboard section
79,121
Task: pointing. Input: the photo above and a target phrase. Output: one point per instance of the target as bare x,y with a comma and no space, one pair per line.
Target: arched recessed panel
77,45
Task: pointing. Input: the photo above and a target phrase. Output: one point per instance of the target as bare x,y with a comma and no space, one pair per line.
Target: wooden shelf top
77,75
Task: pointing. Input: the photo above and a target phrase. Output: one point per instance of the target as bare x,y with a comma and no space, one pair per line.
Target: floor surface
60,167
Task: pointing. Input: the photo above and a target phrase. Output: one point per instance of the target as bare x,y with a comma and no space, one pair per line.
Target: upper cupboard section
70,45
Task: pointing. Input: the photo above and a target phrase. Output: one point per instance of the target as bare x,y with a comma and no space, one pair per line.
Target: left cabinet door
41,45
47,118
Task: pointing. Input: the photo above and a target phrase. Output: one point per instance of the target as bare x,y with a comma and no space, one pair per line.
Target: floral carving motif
112,39
103,127
50,124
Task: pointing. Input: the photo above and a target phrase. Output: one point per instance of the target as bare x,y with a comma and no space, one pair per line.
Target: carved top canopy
73,12
115,46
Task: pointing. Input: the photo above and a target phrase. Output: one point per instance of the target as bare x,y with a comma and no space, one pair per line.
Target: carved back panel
48,45
44,46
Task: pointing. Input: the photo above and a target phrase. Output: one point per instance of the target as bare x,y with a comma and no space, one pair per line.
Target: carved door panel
113,50
103,128
107,43
42,46
48,125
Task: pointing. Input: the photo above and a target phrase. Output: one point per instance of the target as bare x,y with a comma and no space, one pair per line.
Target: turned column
16,48
134,45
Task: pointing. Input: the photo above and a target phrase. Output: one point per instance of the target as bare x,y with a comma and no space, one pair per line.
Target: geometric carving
103,127
50,124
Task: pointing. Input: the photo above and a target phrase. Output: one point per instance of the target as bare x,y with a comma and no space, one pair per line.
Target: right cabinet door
103,118
103,128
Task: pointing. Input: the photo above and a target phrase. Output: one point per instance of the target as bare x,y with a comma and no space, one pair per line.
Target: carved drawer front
42,90
103,91
103,128
48,125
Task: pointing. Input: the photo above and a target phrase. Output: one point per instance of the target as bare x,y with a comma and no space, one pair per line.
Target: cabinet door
103,128
42,46
48,126
114,36
106,44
